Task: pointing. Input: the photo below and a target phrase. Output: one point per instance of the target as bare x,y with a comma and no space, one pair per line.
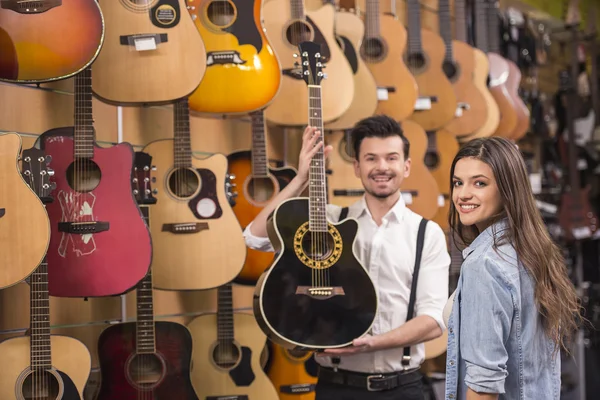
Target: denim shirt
496,341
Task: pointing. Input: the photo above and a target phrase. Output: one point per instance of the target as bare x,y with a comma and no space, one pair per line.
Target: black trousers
332,391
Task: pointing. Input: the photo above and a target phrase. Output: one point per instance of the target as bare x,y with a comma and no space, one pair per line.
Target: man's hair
379,126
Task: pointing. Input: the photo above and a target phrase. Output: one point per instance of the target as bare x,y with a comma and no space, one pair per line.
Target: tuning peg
50,171
52,185
48,159
135,180
135,191
147,191
295,55
154,168
154,191
231,176
27,172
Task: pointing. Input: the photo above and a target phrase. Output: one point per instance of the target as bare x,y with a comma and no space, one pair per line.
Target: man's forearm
293,189
472,395
415,331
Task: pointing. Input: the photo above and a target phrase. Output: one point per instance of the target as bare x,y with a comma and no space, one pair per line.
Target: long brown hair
555,295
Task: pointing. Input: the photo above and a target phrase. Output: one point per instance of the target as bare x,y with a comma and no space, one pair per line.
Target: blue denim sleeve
485,321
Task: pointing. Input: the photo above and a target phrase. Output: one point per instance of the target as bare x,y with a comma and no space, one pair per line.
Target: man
386,246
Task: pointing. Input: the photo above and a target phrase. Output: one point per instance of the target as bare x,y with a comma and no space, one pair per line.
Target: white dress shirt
388,253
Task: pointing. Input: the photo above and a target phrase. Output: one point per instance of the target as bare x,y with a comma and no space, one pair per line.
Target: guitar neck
41,356
481,39
225,325
493,27
445,27
145,338
297,9
460,23
182,149
414,27
317,185
84,121
260,166
372,29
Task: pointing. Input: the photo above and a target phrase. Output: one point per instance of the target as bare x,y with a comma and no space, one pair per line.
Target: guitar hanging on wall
316,294
145,43
145,359
48,40
99,243
40,365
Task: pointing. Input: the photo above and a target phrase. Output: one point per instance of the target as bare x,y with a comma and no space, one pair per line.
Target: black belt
371,382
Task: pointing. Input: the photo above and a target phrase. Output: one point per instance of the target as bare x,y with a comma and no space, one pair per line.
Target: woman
514,307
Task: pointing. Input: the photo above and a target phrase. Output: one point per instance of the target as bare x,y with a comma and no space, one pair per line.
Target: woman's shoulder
496,261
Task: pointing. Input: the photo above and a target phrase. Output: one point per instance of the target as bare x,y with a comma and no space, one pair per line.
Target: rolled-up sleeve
432,286
486,313
257,242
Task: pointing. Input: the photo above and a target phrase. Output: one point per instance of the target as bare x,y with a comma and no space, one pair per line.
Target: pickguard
70,390
350,53
206,204
242,375
2,212
244,28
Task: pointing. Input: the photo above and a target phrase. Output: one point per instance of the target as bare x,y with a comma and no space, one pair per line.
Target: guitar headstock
312,66
35,171
142,179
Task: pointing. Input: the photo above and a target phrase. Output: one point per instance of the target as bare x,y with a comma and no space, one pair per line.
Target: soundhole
145,370
138,5
346,150
372,49
184,182
318,246
226,355
221,13
41,385
83,175
432,159
450,70
260,190
416,60
298,32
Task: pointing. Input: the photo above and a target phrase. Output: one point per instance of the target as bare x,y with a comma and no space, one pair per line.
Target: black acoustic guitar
316,294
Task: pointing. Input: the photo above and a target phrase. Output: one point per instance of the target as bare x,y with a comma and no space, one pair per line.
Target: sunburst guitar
293,372
260,183
146,41
419,190
349,31
227,354
242,71
48,40
24,224
288,24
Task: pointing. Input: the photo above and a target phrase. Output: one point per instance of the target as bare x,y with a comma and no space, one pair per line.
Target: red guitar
99,245
145,359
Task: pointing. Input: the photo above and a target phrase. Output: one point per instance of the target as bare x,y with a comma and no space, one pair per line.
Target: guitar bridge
83,228
320,293
29,7
193,227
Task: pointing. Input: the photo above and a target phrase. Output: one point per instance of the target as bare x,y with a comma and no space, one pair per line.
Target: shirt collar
357,209
487,236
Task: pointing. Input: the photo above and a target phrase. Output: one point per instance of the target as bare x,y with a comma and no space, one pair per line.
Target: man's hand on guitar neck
297,185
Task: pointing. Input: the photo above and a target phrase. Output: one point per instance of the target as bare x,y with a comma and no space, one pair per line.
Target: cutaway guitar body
293,372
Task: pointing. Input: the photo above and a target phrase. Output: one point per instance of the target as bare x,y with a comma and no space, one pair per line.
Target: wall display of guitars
235,59
37,45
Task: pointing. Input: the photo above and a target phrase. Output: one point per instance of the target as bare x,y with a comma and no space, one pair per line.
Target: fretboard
372,19
182,146
460,22
145,342
225,331
481,26
259,146
41,357
494,34
84,121
297,8
445,27
414,27
317,184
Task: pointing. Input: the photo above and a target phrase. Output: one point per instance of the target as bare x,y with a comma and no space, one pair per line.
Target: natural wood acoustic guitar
260,183
40,365
349,30
146,43
288,24
193,225
419,190
382,50
436,104
459,66
145,359
227,354
51,39
24,224
316,294
242,70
